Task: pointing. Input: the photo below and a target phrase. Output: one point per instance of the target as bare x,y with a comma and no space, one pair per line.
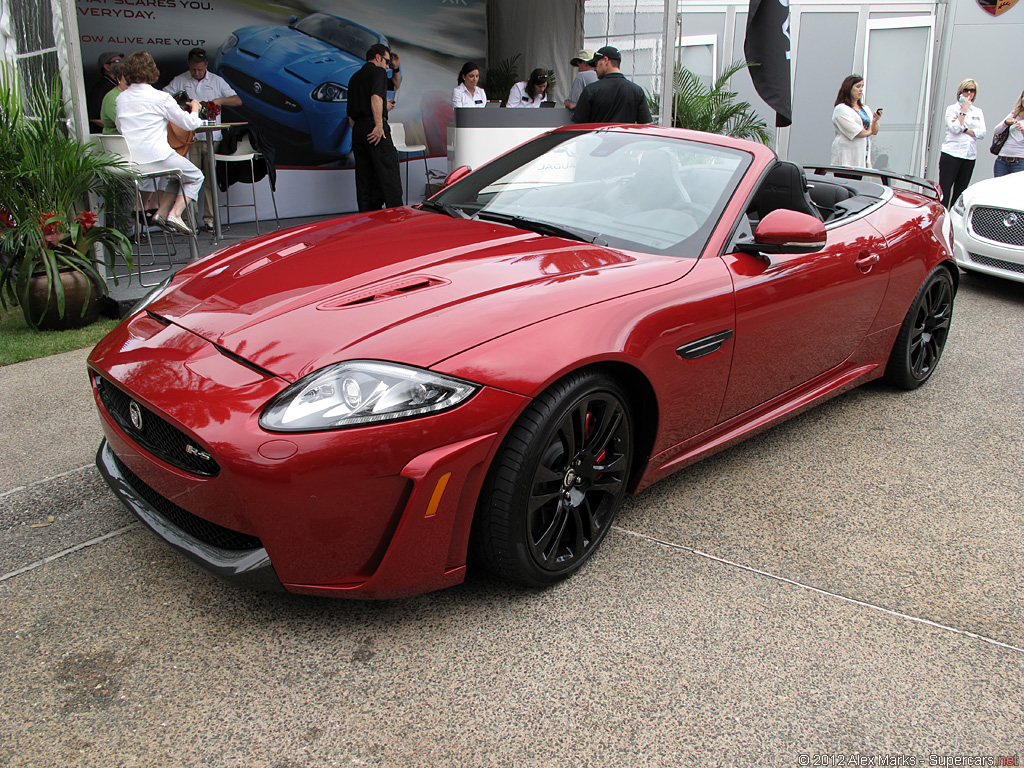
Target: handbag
999,138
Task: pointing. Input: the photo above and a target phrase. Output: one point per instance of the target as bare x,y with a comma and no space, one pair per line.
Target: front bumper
986,256
248,567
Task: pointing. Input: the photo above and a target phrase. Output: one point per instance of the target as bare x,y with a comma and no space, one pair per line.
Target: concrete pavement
846,583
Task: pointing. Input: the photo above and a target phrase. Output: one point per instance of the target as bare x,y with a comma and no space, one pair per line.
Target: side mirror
458,173
784,231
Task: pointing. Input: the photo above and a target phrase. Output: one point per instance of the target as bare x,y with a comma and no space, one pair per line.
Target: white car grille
1001,225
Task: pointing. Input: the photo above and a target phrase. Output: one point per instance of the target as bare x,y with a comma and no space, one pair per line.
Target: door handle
867,261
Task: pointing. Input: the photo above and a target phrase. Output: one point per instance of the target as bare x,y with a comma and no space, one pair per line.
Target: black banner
767,45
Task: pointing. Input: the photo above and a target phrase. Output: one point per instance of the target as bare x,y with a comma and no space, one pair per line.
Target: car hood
402,284
306,57
1003,192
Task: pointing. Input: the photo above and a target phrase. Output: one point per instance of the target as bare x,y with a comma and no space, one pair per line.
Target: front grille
156,435
260,90
1001,225
1009,266
207,532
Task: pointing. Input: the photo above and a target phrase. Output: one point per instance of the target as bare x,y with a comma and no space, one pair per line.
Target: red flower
6,219
212,109
51,230
87,219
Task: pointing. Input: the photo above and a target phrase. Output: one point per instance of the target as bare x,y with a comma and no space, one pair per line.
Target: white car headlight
361,392
958,207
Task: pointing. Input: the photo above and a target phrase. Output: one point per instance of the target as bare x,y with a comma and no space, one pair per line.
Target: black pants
378,181
954,177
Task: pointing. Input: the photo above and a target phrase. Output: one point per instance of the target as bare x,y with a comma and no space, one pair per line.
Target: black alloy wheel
557,482
924,332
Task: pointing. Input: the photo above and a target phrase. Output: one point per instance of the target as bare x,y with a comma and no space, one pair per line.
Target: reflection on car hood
311,59
402,284
1004,192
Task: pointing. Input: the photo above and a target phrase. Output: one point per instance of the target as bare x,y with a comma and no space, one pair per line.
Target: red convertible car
359,407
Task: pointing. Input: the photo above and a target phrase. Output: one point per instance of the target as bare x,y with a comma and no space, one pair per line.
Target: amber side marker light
435,500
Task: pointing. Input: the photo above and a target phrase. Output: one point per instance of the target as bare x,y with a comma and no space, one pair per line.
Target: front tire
924,332
557,482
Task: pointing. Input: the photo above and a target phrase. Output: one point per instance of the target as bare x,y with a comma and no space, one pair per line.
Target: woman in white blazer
965,124
854,125
468,92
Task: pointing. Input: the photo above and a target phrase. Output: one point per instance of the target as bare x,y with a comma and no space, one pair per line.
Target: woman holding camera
854,124
965,124
142,116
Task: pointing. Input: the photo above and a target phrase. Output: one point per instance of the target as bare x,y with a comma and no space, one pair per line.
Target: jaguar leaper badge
136,413
996,7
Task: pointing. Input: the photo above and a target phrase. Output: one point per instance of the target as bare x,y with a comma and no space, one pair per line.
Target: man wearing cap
202,86
613,98
584,77
99,89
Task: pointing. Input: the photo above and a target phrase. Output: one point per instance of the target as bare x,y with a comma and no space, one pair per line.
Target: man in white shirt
203,86
584,77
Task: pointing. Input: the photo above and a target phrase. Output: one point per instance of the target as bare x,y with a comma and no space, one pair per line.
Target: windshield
341,33
624,189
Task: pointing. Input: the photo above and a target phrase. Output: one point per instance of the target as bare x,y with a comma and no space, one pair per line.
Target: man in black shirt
378,182
613,98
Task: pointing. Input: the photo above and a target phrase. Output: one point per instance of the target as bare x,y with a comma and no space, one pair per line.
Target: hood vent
381,291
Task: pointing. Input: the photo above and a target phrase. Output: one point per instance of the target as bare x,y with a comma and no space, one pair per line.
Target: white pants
192,176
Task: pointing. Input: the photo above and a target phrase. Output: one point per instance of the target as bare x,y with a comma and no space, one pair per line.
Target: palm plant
502,77
714,108
44,227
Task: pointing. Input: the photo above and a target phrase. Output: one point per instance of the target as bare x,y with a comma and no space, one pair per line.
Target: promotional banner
767,44
290,62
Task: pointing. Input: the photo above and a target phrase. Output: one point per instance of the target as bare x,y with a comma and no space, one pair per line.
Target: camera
184,100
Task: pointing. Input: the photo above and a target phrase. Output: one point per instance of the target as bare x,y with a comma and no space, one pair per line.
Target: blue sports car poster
291,62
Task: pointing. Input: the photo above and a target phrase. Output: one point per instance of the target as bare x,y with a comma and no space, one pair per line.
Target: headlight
150,297
330,92
230,43
360,392
958,207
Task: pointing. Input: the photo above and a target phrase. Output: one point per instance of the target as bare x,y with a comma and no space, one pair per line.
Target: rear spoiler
922,186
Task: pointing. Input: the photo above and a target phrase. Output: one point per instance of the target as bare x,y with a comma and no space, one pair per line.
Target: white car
988,227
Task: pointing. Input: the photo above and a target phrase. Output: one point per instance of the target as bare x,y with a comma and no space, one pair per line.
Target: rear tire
924,332
556,483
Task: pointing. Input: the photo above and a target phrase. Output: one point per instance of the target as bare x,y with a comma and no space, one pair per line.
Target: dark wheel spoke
610,419
546,547
538,500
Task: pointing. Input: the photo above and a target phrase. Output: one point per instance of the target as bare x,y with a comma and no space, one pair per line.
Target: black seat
826,196
785,187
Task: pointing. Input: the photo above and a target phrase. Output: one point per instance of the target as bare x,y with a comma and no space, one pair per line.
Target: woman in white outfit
468,92
529,93
854,124
965,124
142,116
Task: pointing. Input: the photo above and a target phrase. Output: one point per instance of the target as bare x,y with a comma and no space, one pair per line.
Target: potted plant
48,238
713,108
